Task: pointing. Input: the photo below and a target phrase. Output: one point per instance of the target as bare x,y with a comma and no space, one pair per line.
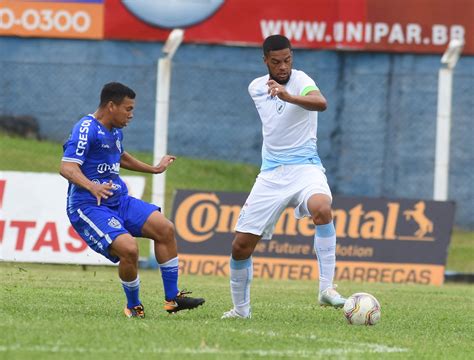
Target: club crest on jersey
280,106
119,146
113,222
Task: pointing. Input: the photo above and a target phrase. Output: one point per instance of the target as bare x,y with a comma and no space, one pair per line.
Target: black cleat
182,302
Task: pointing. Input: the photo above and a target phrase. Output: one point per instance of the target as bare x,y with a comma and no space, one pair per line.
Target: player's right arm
72,172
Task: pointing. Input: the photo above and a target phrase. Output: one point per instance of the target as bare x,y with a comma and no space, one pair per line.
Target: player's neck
103,119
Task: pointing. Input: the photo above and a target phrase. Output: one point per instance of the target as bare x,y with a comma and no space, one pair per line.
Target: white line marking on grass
348,348
366,347
185,351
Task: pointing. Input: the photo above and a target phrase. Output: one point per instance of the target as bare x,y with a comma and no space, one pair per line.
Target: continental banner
378,239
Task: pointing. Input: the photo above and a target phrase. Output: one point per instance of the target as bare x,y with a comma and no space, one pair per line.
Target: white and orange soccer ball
362,309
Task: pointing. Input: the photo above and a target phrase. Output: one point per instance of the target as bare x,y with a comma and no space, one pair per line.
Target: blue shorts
100,225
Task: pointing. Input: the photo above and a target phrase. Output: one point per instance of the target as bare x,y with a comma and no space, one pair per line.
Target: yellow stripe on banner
307,269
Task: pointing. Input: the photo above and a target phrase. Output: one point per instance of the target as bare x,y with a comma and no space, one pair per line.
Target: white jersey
289,131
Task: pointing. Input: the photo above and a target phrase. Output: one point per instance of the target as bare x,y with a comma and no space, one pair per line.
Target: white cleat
233,314
330,297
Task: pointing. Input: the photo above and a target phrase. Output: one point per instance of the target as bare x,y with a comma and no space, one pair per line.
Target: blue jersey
97,150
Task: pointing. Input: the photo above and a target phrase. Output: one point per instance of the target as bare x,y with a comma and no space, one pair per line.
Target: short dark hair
275,42
115,92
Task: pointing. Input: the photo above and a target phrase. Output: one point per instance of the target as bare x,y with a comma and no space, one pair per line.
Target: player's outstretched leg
325,248
176,300
241,275
161,230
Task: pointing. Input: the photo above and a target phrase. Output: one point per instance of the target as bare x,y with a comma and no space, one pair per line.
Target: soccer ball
362,309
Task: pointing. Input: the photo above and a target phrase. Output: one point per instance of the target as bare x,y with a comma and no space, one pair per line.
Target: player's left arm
312,101
129,162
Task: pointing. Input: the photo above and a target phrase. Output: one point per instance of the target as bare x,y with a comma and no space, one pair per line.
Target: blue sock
132,290
169,274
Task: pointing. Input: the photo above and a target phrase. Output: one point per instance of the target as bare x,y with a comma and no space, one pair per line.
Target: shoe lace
183,293
138,310
332,291
230,313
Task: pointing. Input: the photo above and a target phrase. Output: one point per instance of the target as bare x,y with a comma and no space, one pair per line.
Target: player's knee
165,233
323,214
169,230
129,253
241,250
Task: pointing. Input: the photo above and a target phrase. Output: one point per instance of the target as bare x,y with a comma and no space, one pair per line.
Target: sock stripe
240,264
326,230
170,263
131,284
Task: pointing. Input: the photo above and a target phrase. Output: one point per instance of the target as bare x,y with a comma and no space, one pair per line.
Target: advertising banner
414,26
378,240
76,19
34,226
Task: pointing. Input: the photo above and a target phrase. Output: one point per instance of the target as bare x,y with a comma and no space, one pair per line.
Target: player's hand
165,162
275,89
102,191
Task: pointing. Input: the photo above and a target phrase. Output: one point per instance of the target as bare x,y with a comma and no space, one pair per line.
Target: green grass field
64,312
75,312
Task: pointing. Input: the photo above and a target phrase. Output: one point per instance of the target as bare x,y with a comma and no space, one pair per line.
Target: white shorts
275,190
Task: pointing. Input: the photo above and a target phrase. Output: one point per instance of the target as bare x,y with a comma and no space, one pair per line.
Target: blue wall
377,137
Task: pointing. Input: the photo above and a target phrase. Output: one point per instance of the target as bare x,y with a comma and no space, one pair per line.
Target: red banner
420,26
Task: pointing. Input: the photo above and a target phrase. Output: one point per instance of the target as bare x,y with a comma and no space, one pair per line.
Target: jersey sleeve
307,84
252,88
80,141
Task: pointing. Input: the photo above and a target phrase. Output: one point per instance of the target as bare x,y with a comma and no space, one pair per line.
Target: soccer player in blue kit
102,212
288,102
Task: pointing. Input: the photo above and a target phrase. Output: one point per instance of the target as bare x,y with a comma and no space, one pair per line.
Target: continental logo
202,215
425,225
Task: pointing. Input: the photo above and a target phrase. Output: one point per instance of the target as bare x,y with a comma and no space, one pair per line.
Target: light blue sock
325,248
241,275
132,290
169,274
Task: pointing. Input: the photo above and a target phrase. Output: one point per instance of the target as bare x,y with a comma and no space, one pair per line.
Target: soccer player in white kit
292,174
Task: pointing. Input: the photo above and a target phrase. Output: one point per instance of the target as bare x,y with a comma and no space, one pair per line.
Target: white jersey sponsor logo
113,168
83,131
